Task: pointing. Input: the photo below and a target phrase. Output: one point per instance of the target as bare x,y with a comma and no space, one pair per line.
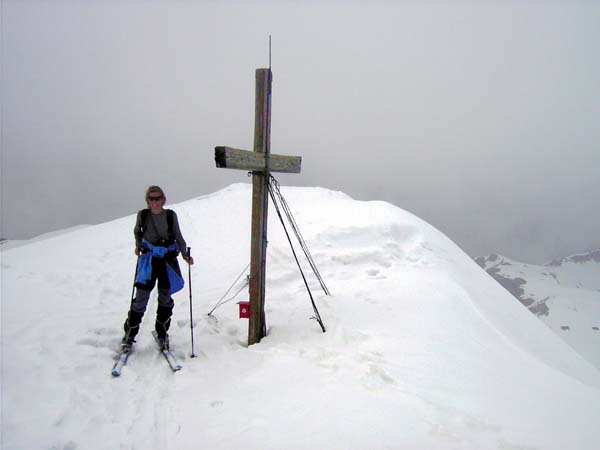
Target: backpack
145,216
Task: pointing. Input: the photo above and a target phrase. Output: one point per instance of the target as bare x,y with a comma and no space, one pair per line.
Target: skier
158,241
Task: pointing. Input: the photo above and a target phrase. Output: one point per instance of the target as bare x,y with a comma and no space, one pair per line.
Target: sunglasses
155,199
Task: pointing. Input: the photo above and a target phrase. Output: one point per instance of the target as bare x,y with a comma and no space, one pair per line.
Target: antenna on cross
269,52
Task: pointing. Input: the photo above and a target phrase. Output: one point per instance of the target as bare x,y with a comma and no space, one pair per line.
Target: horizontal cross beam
234,158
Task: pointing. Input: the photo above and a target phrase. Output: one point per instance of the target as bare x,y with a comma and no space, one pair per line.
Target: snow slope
564,294
6,244
423,350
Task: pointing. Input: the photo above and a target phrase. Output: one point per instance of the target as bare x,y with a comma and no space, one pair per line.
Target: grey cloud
480,117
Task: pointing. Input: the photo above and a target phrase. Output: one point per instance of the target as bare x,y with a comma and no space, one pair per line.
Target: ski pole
189,254
132,294
135,277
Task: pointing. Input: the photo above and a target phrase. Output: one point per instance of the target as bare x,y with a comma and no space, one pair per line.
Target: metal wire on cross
222,300
281,204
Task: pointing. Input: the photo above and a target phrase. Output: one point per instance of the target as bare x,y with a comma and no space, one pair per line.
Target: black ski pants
142,295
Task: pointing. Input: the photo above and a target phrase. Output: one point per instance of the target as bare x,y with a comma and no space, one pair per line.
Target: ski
173,364
121,361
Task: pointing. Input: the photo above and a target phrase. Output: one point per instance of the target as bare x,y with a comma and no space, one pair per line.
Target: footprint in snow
377,377
375,274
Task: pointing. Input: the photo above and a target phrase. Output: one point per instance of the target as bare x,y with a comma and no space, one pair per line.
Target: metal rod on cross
260,162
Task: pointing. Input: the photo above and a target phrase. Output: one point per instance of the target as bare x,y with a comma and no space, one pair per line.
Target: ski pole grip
189,252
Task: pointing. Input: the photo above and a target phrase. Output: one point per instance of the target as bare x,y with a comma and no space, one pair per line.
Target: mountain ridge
563,293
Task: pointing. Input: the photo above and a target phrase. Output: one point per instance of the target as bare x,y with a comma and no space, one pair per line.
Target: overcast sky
482,118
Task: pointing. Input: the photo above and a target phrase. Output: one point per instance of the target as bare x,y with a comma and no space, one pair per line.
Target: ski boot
131,327
163,322
163,342
126,343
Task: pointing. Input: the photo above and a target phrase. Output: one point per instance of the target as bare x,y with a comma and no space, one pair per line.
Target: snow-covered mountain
423,350
564,294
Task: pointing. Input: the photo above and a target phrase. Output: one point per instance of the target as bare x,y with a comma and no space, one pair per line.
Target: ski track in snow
422,350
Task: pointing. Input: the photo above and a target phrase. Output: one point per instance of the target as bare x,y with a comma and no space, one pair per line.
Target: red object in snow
244,310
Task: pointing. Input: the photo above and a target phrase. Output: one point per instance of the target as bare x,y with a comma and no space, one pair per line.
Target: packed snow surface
423,349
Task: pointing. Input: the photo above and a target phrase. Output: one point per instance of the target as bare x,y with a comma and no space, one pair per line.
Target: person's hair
157,190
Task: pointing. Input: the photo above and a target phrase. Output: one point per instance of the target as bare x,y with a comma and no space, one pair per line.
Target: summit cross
261,163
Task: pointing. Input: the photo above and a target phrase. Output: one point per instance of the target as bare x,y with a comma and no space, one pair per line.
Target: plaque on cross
260,162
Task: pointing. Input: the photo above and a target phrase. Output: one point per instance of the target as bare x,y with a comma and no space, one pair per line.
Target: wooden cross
260,162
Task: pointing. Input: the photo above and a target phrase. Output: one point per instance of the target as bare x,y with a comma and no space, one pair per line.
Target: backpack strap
170,223
143,215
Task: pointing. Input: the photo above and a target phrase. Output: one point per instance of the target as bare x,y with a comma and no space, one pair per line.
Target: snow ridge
423,350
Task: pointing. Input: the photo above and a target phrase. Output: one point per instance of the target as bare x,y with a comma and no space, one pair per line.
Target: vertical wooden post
260,203
261,163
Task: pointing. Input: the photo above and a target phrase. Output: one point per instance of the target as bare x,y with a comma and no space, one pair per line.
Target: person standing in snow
158,241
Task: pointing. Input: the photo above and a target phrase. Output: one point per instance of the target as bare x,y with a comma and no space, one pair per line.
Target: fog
479,117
